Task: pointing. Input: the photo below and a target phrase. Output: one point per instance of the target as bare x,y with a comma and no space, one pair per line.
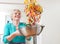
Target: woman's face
16,15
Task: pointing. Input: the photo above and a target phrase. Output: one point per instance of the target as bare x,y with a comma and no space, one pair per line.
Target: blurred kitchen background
50,18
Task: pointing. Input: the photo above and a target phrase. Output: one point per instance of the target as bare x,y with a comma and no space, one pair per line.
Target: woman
11,30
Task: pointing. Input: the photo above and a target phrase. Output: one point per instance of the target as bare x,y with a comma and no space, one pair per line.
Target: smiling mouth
17,16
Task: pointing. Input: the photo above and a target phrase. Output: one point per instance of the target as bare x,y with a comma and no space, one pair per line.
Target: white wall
12,1
51,19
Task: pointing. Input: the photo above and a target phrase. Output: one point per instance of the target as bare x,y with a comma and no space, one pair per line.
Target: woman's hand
28,38
11,36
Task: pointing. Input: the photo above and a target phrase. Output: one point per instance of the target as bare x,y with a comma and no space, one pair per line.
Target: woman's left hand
28,38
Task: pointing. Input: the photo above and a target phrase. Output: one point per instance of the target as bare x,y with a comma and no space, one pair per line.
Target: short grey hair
13,12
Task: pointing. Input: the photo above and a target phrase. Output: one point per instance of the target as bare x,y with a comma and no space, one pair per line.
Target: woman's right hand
16,33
